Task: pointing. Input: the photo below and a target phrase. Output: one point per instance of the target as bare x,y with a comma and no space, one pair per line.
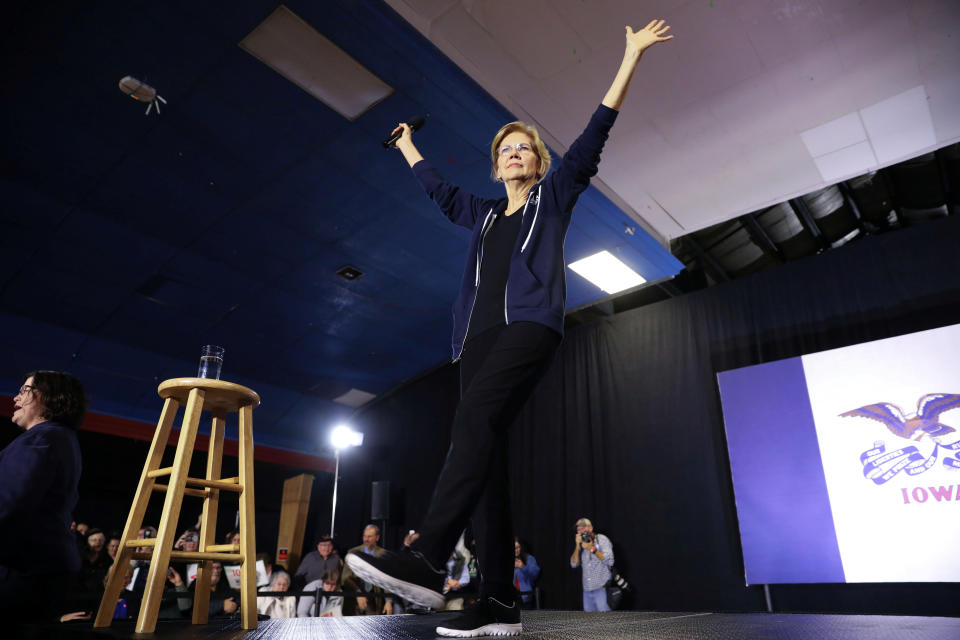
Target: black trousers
498,371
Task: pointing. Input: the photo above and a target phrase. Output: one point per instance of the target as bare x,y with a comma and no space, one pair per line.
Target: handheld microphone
415,123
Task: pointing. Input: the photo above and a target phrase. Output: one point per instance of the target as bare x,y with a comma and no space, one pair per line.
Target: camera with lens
586,537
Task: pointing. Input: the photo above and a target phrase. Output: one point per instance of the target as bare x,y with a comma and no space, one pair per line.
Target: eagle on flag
924,423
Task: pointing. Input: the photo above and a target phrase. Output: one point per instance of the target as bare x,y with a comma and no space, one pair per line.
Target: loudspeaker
380,500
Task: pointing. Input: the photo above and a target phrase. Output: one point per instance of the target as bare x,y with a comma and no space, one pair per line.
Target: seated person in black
39,473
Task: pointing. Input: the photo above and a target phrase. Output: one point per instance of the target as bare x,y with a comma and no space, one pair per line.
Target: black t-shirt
489,308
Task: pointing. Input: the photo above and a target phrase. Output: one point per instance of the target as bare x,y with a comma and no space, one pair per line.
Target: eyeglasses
26,388
521,147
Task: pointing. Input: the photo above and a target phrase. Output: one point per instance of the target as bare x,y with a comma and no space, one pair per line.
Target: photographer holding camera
594,552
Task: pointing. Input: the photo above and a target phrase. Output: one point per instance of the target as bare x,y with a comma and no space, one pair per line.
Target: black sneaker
407,574
489,617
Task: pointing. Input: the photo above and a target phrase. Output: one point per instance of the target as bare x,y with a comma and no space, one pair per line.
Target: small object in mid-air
142,92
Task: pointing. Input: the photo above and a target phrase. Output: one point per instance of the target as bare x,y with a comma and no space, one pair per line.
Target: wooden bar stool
219,398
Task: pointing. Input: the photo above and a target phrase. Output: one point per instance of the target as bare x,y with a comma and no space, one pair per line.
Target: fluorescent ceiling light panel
607,272
846,162
900,127
843,132
355,398
298,52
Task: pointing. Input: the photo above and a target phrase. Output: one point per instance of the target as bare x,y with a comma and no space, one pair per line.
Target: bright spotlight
343,436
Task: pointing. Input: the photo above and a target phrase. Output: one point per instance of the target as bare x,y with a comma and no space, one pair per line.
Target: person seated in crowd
222,601
232,537
140,567
277,606
189,540
318,563
525,573
458,576
95,562
128,604
113,544
267,561
329,606
39,475
366,606
146,533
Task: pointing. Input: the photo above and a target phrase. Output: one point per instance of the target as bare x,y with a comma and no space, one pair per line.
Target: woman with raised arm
508,323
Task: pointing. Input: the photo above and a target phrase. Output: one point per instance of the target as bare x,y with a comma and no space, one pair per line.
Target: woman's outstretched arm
637,43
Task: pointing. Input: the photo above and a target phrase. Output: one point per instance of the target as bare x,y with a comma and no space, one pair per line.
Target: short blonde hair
538,147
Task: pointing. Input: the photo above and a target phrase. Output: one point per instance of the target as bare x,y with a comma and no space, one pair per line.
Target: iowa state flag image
846,463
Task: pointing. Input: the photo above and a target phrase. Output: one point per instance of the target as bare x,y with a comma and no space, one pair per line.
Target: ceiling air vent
349,273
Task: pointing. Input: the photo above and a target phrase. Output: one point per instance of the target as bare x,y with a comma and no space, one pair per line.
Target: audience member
525,572
594,552
317,564
113,544
267,561
278,606
145,533
366,605
128,602
221,597
140,567
39,474
95,562
329,606
458,576
189,540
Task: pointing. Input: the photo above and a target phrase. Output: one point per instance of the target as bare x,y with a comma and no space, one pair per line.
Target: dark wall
406,435
626,427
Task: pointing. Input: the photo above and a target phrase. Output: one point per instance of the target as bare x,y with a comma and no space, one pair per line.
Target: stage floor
560,625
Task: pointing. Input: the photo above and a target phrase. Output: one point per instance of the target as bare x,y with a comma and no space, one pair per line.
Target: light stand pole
341,437
336,477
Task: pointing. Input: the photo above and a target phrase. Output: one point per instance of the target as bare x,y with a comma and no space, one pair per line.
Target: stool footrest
226,484
152,542
187,491
234,558
141,542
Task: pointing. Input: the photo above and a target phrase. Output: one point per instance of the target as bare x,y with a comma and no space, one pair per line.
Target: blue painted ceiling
131,240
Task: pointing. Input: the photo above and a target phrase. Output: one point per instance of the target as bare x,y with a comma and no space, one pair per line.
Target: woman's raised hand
405,144
406,136
650,35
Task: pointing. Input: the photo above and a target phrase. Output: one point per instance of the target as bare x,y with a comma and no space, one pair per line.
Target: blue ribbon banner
880,466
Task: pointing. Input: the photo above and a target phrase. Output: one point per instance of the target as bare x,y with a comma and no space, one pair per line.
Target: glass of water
211,359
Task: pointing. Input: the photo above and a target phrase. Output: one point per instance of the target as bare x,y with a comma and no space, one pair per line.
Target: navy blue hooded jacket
536,287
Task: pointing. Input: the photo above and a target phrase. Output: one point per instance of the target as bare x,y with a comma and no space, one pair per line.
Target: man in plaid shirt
594,552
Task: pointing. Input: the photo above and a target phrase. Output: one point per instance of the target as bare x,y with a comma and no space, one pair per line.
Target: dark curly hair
63,397
524,553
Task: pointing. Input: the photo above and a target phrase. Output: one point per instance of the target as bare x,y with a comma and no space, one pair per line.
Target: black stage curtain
626,427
